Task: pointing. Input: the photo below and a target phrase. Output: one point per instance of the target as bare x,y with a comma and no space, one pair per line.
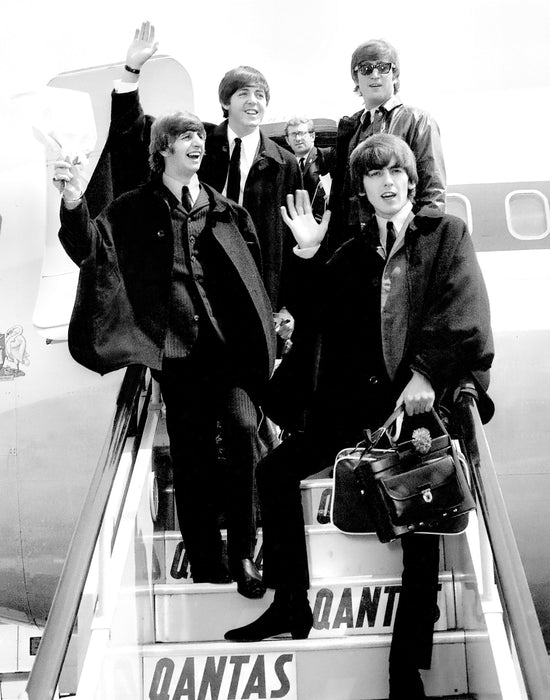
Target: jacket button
161,234
196,317
373,380
375,282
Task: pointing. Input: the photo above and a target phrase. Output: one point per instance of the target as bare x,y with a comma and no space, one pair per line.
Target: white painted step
341,607
351,668
331,553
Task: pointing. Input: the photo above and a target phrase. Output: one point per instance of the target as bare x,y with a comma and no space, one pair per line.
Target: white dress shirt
175,186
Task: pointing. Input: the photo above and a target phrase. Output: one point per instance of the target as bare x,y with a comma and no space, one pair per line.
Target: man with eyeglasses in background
375,72
313,161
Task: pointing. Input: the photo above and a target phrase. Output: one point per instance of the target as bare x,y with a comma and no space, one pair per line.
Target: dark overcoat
126,257
444,329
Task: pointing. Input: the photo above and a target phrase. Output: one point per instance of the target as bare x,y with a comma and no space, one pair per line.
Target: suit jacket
318,162
421,133
273,175
126,257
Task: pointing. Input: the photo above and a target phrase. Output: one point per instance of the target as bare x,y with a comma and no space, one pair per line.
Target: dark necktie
302,164
366,121
234,176
390,238
186,201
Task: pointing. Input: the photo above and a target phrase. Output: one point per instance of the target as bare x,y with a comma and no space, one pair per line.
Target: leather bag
415,485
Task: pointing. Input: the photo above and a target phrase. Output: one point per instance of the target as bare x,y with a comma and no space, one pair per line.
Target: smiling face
183,158
246,109
387,189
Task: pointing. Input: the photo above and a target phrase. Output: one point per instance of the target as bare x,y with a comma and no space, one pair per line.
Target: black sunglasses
383,67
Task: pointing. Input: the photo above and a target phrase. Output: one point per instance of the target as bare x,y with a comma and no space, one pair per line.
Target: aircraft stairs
142,629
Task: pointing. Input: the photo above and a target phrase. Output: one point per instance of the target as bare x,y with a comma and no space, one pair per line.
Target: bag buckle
427,495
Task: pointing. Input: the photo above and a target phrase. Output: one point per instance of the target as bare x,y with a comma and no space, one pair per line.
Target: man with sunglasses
375,72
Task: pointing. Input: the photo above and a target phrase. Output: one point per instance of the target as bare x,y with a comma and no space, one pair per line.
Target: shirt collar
387,106
306,157
249,143
175,186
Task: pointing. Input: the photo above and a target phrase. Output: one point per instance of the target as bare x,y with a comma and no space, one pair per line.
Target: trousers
201,398
285,564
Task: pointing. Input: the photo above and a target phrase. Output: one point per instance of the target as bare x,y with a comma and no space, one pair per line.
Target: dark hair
378,151
165,131
376,50
300,120
235,79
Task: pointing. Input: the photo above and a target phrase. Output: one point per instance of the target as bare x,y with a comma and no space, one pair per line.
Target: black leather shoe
248,578
213,573
295,619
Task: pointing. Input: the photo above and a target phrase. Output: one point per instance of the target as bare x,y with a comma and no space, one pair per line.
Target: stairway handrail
510,576
44,676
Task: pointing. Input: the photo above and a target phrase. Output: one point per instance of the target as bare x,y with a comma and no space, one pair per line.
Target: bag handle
397,418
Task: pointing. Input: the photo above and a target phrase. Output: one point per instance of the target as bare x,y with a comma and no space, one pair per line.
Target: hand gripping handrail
511,580
47,666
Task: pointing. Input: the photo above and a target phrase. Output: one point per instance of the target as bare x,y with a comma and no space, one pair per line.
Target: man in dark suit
313,161
402,314
189,261
267,172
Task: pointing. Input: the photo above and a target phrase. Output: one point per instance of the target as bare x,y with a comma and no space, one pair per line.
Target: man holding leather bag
399,314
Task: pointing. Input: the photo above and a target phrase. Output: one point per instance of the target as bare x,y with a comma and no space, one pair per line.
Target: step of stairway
316,500
350,668
330,553
341,607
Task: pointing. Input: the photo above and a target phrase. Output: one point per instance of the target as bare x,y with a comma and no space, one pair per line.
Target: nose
387,177
197,139
375,73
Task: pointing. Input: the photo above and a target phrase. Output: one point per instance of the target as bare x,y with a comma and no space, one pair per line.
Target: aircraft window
459,205
527,214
